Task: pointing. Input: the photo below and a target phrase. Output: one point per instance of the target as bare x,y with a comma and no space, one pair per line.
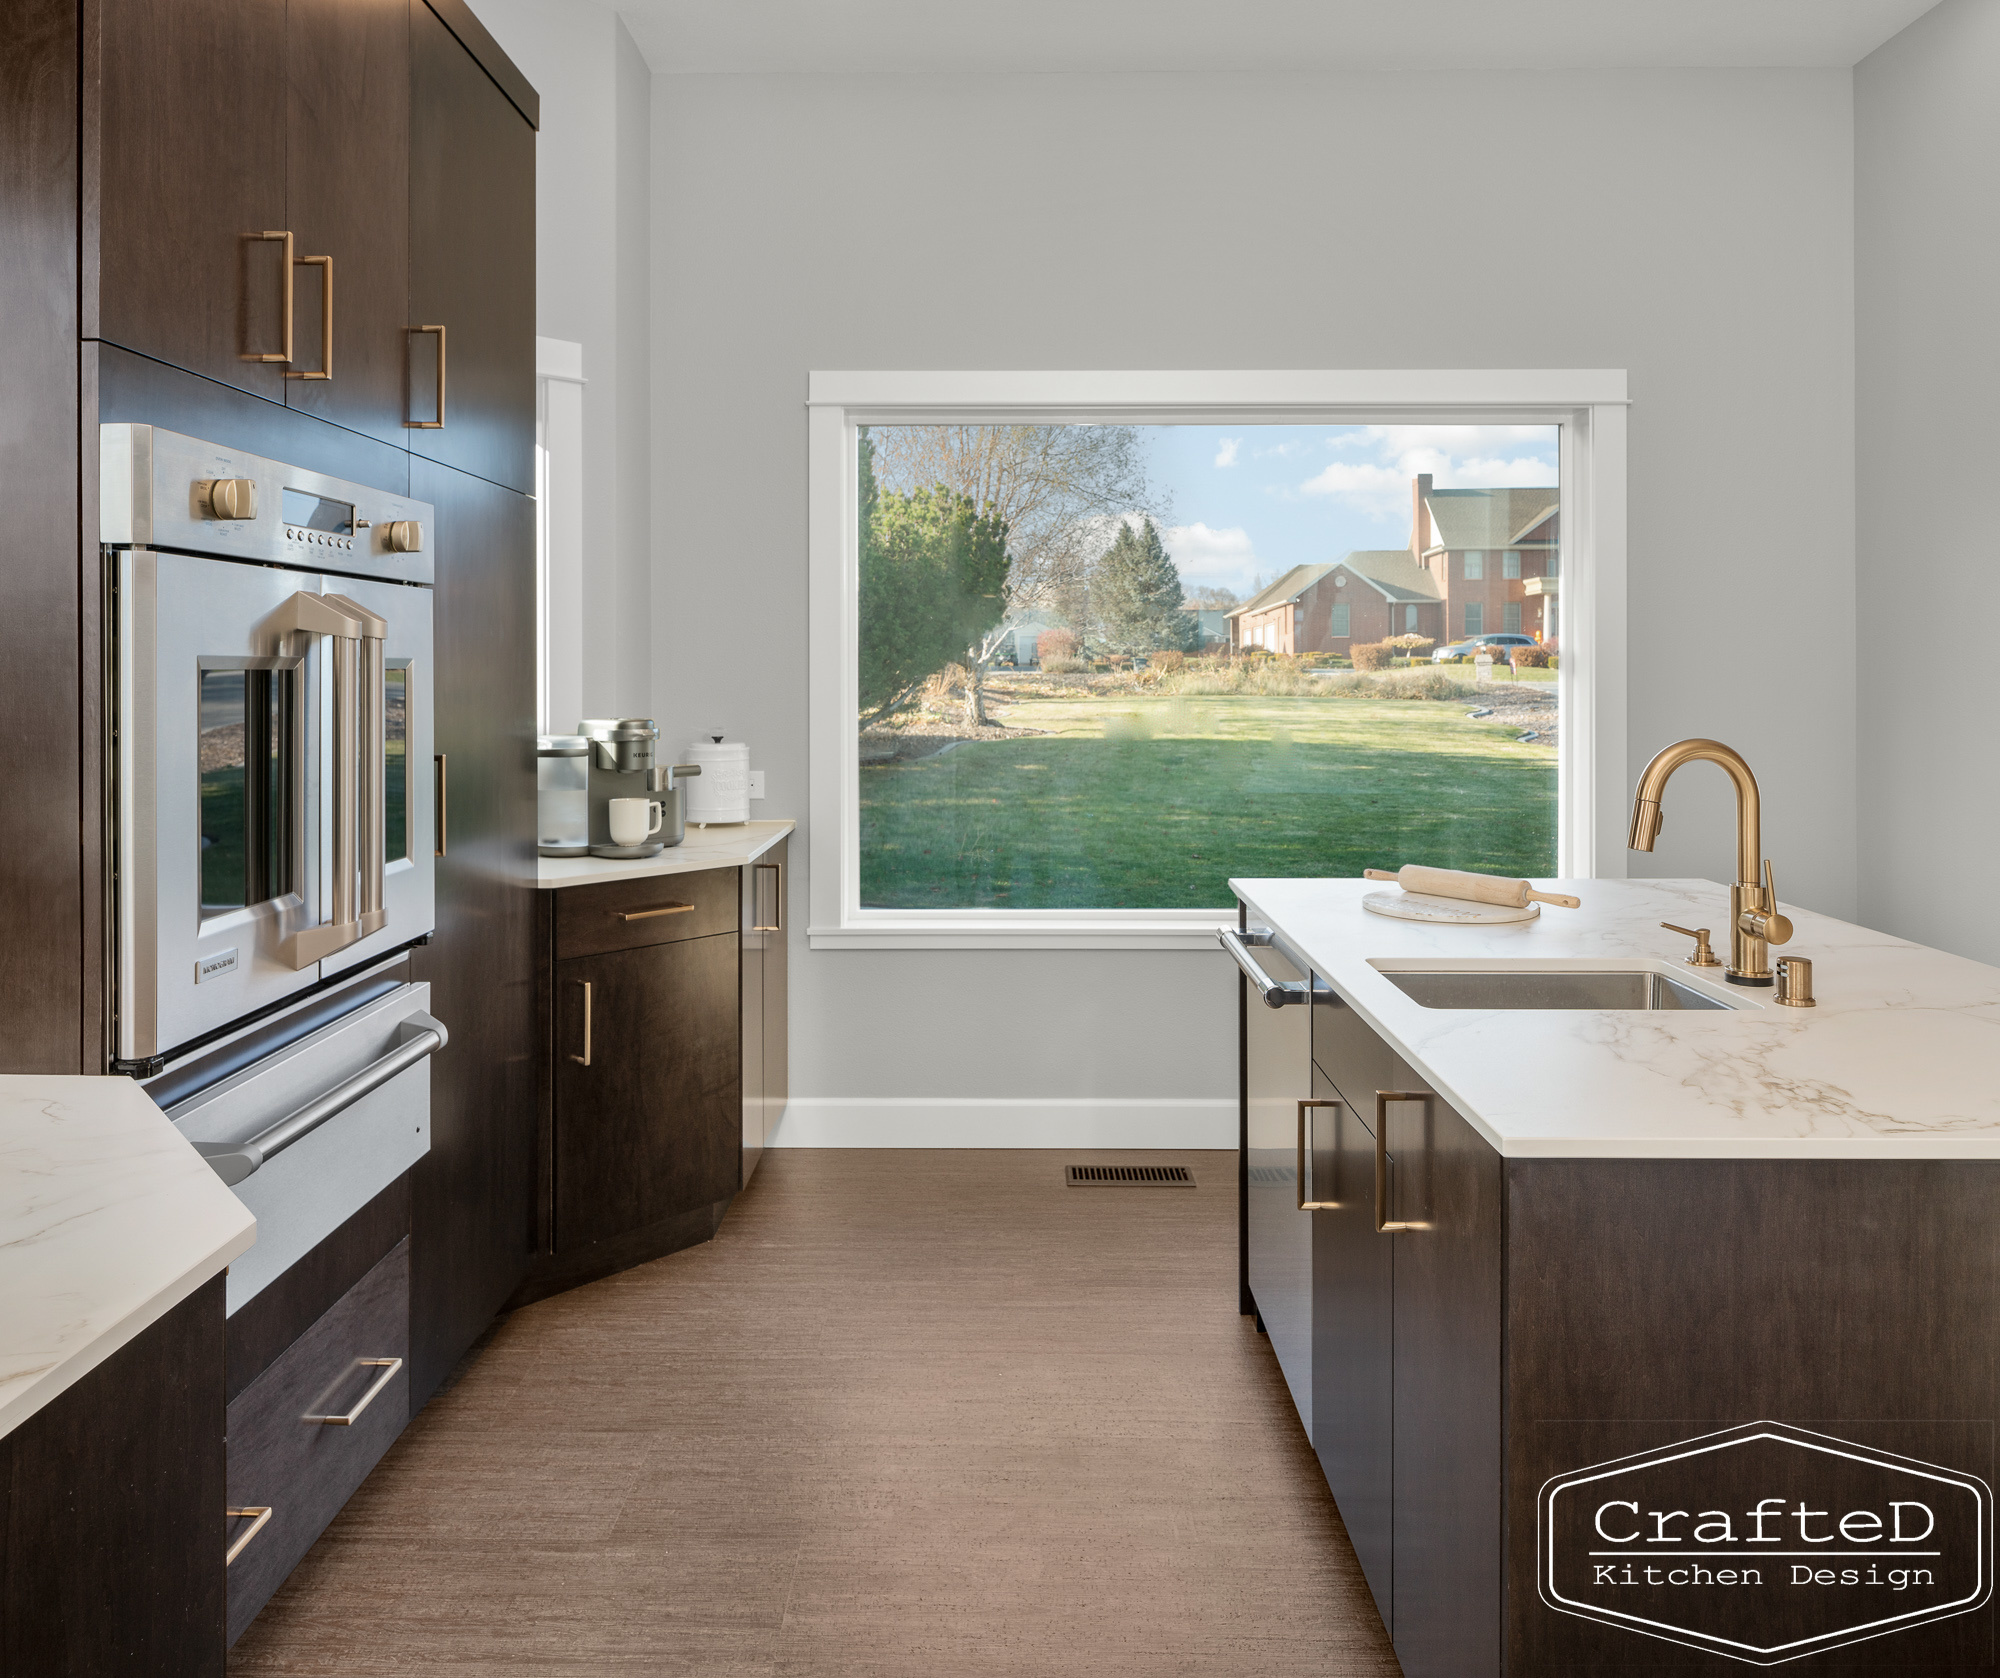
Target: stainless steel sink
1532,988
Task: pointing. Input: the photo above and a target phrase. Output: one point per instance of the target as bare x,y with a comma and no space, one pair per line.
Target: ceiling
940,36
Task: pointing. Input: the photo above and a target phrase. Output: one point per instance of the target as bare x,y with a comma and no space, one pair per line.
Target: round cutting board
1415,906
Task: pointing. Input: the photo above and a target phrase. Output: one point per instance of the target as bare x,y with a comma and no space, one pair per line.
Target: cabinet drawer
630,914
284,1458
1347,1050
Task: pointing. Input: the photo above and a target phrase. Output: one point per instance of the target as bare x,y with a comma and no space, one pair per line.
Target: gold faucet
1754,921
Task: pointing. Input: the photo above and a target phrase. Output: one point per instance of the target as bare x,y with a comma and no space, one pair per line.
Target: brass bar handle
443,801
438,423
1382,1099
388,1366
649,914
325,266
285,308
263,1513
778,925
372,810
1306,1205
584,1058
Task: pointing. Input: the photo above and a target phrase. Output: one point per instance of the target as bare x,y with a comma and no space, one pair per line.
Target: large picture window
1078,668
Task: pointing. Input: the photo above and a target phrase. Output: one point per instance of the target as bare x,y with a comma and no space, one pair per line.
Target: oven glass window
246,780
396,764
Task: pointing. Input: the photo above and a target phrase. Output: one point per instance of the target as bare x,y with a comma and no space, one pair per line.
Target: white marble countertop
1900,1059
108,1220
726,845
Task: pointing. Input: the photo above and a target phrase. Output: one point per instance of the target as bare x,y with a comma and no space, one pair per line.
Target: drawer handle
325,266
584,1058
263,1513
648,914
438,423
1382,1100
1306,1205
388,1366
777,924
284,298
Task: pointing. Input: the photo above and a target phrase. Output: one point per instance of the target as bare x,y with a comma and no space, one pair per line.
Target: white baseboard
927,1122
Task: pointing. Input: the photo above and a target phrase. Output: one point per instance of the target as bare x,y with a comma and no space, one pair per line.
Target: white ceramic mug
635,820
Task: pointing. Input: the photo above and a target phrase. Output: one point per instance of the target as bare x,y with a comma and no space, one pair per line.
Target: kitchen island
1658,1333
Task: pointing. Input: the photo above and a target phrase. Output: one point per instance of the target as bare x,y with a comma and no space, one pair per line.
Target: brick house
1479,561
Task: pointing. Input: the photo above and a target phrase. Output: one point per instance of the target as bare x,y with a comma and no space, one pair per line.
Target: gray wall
1927,283
1694,227
593,184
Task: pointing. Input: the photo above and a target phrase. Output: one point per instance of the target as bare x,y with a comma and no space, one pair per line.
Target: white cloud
1456,456
1203,555
1226,455
1379,490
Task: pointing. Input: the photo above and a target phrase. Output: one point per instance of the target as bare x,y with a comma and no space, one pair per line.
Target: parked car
1497,644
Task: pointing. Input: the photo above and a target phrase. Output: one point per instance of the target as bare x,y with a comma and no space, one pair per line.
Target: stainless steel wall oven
272,801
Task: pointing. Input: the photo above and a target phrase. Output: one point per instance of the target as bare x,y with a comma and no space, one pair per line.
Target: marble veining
108,1219
726,845
1896,1061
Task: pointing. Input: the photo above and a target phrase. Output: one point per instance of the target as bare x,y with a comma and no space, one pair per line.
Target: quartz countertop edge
109,1218
725,845
1894,1062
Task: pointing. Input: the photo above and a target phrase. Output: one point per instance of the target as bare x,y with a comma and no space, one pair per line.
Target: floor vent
1134,1176
1272,1173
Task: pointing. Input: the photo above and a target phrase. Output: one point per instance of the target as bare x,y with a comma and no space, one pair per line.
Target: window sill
1027,929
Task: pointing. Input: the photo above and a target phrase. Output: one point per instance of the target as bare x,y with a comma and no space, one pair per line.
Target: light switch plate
756,783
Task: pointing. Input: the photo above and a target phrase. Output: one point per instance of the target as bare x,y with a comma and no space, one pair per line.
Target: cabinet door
648,1104
472,261
191,112
1447,1180
750,981
348,175
473,1193
1354,1342
777,981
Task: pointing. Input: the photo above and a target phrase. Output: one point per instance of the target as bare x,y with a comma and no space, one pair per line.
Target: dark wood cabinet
1353,1340
111,1511
473,1194
348,188
190,101
647,1082
755,957
472,262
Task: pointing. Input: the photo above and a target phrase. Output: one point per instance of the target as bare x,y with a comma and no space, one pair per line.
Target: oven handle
417,1037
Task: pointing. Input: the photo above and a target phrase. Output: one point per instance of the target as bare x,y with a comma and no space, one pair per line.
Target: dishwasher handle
1275,992
417,1038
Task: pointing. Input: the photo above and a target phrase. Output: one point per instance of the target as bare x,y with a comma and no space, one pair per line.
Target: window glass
1133,762
244,759
1475,566
1510,617
396,763
1510,563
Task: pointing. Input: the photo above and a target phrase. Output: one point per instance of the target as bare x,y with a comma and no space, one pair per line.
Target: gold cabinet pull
649,914
1382,1100
285,295
778,923
388,1366
263,1513
325,266
584,1058
438,423
1306,1205
443,802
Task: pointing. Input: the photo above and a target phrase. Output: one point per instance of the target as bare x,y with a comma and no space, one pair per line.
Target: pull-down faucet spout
1754,921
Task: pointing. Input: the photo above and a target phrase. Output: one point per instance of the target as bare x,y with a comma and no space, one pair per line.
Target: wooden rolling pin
1475,888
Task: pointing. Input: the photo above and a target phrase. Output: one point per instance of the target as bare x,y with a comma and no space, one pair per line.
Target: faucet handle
1703,956
1765,922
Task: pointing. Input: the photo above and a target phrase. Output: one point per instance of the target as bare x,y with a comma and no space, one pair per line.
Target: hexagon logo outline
1784,1433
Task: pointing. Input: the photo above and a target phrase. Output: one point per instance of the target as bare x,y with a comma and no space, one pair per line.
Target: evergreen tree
1136,595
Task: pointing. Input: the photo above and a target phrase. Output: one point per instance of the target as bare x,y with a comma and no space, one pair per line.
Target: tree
933,583
1057,487
1137,593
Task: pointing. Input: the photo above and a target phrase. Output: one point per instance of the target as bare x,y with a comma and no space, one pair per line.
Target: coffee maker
620,765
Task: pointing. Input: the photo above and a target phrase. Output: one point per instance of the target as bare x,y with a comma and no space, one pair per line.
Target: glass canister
562,795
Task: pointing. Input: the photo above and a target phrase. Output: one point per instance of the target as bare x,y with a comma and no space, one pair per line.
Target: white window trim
1591,763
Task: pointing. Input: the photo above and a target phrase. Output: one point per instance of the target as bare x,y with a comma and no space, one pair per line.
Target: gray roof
1487,518
1288,587
1394,572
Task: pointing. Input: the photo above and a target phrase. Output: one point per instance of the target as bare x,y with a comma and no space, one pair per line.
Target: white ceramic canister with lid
721,792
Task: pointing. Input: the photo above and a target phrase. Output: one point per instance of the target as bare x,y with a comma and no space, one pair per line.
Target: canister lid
562,745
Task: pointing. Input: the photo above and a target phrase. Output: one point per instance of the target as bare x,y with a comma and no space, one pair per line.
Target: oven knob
403,536
227,498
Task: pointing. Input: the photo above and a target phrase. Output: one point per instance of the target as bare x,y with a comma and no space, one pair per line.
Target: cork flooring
910,1413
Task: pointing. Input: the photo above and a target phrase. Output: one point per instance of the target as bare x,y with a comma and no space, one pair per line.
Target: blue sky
1255,500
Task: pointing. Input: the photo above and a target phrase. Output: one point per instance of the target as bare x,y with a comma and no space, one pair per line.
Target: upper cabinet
472,262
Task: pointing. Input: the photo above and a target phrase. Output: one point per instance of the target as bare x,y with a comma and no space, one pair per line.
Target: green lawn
1137,802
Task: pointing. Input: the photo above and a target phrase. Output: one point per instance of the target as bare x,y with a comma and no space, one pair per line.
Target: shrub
1412,646
1420,684
1168,663
1371,655
1055,643
1060,664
